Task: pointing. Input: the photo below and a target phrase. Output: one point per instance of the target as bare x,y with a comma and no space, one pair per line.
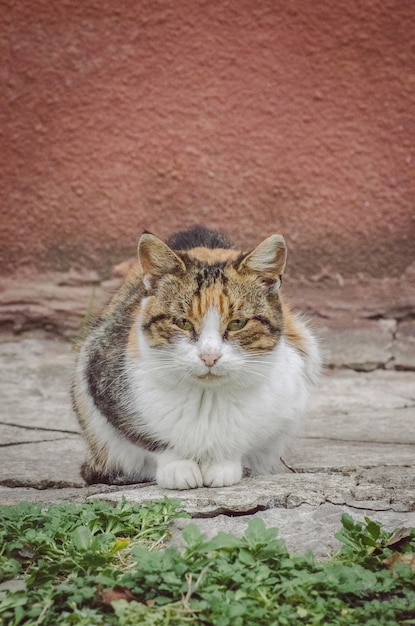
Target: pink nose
209,358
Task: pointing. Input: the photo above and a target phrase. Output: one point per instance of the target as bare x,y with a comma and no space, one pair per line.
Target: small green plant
98,564
362,542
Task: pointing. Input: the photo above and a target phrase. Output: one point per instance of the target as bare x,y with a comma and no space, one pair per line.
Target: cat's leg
115,472
114,460
221,473
94,474
176,473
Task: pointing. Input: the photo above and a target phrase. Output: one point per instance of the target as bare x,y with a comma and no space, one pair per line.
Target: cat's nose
210,358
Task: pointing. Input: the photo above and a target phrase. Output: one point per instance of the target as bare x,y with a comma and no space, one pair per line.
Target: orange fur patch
207,255
212,296
292,330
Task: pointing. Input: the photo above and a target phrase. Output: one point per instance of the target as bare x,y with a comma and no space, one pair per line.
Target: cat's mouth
209,376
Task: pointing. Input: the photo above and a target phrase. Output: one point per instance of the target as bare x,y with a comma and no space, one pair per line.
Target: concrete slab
304,528
281,491
49,494
344,390
396,477
52,463
325,454
17,435
362,345
250,495
34,384
403,350
381,426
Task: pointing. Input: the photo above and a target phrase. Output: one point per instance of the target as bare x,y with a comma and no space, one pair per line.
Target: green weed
99,564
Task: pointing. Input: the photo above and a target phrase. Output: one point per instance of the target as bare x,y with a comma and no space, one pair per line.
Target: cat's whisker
266,377
151,370
159,366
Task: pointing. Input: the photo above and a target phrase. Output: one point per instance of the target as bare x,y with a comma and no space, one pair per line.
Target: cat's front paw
183,474
222,474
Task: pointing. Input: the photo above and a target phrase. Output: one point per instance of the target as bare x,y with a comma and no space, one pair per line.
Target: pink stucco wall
249,116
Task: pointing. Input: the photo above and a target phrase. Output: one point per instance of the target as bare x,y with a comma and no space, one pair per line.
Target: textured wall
251,116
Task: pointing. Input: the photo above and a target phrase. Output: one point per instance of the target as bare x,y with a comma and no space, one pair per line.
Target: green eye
237,324
184,324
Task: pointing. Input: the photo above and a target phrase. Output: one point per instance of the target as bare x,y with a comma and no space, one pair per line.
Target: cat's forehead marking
208,275
211,297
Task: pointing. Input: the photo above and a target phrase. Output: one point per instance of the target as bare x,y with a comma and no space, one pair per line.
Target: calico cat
197,369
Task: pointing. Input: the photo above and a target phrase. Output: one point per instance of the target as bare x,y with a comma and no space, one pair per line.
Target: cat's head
213,314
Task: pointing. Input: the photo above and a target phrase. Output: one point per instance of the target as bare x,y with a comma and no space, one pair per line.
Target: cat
197,370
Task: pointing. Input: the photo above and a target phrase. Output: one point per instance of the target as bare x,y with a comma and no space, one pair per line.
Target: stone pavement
356,452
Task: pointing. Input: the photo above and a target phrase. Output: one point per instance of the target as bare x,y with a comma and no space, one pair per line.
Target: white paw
179,475
222,474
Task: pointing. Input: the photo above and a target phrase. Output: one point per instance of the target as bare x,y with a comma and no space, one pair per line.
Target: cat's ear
156,259
267,260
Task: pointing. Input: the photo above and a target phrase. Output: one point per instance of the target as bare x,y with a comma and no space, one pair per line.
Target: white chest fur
246,411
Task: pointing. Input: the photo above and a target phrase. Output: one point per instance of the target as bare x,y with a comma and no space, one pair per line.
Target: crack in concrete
363,441
21,443
49,430
40,485
345,471
358,508
228,512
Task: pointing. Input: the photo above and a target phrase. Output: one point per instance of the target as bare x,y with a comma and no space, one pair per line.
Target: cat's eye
237,324
183,323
